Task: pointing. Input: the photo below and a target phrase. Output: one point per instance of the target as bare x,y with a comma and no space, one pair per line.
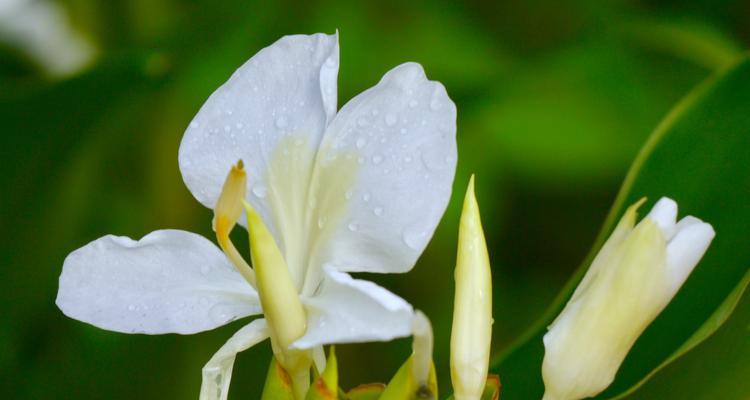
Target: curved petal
347,310
168,282
217,373
398,143
284,94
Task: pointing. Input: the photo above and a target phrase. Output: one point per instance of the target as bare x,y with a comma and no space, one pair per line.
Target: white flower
635,275
361,190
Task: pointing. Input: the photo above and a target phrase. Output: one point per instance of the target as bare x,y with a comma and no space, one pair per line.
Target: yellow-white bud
635,275
472,313
281,304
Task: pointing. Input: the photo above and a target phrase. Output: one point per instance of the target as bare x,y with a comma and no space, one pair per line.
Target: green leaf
726,355
716,320
278,383
492,388
368,391
403,386
697,156
326,386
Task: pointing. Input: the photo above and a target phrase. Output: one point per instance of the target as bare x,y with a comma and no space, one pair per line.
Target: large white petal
347,310
398,143
170,281
217,373
284,94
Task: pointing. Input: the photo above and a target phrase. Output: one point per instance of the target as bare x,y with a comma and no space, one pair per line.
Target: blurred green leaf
698,156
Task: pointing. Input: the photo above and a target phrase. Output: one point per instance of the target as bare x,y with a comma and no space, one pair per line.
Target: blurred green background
554,101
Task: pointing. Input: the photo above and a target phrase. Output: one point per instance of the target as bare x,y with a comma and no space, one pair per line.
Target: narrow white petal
347,310
685,250
217,373
286,92
664,213
398,141
170,281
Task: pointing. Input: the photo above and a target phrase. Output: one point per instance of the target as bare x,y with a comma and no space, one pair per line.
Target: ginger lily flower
361,190
635,275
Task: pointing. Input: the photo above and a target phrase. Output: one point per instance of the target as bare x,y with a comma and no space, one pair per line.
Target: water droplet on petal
132,307
377,159
322,222
362,121
435,102
221,313
366,197
348,194
414,238
260,190
281,122
353,227
378,211
413,103
390,119
361,142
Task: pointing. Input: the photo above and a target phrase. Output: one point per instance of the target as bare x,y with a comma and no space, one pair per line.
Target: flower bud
635,275
280,301
472,315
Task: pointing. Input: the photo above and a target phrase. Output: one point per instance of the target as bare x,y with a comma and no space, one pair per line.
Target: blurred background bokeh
554,100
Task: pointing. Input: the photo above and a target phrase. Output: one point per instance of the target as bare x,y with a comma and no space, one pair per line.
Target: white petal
347,310
168,282
398,140
217,373
664,213
287,90
685,249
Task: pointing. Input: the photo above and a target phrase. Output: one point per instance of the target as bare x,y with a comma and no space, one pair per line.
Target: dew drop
435,103
194,125
281,122
353,227
322,222
361,142
227,128
348,194
239,125
366,197
377,159
220,313
414,238
413,103
403,131
132,307
362,121
375,112
390,119
260,190
378,211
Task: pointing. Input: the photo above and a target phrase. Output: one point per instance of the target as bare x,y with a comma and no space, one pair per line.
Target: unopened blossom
358,190
635,275
472,310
